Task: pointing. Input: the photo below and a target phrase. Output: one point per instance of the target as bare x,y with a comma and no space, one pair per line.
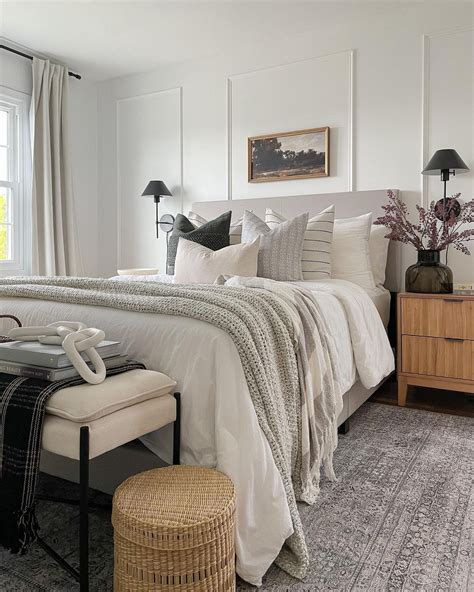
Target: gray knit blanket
286,354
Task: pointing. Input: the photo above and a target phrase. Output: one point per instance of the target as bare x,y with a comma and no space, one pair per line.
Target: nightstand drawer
444,358
438,317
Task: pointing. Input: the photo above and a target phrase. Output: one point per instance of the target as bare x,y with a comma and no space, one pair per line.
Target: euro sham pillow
235,232
316,256
213,234
351,252
281,248
378,247
196,264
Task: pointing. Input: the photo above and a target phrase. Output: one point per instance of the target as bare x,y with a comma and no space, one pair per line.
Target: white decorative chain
75,338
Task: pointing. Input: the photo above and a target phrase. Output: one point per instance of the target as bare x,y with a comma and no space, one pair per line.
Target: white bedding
219,424
379,295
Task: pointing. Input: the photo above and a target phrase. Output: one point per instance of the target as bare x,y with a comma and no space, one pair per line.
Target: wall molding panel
244,88
229,138
426,117
350,129
149,131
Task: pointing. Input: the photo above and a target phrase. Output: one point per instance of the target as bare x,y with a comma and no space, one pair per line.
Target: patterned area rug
401,515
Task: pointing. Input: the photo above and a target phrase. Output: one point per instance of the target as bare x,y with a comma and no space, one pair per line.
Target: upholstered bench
85,421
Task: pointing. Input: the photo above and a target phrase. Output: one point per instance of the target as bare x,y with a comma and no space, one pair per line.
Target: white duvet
219,424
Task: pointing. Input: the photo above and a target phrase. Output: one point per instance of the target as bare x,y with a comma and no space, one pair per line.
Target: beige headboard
348,204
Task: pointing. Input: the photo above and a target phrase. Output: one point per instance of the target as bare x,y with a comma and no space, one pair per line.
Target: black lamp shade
445,160
156,188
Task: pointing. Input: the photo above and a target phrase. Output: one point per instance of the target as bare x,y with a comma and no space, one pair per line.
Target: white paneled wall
148,147
449,120
393,85
305,94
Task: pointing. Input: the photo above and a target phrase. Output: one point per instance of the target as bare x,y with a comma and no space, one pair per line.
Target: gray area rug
400,516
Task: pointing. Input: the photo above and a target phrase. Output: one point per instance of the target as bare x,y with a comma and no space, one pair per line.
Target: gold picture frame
300,157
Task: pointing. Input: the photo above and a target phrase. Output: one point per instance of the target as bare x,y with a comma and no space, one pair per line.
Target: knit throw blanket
286,353
22,409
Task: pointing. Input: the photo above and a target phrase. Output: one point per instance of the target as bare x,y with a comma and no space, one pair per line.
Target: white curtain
55,247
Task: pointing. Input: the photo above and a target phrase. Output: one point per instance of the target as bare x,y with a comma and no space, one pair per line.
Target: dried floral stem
439,225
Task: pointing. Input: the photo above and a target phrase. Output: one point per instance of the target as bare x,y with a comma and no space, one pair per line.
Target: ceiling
104,39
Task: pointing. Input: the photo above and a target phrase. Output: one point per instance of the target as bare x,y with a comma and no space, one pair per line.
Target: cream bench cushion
124,407
89,402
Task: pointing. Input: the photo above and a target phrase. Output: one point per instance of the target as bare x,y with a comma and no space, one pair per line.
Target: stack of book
49,362
464,289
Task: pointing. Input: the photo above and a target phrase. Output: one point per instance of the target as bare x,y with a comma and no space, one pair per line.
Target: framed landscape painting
302,154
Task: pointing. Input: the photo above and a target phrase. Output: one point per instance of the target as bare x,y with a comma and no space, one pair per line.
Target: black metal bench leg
84,510
177,431
59,560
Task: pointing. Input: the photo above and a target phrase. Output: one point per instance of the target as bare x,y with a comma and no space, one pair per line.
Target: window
15,215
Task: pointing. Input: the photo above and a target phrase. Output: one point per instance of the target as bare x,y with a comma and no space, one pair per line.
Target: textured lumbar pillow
196,264
281,248
351,252
235,232
316,257
213,235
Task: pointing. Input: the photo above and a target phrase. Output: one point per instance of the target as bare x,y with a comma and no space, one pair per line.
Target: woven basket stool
174,531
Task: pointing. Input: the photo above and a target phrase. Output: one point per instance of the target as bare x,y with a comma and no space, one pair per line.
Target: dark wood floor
440,401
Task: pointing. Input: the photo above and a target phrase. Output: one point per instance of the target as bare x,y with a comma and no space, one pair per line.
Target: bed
220,427
347,204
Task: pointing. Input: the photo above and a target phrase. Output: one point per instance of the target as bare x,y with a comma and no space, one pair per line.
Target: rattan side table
174,531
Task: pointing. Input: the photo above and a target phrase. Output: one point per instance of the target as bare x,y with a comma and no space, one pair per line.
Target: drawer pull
453,300
453,339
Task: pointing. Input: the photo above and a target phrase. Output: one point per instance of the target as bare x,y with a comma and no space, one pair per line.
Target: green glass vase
429,275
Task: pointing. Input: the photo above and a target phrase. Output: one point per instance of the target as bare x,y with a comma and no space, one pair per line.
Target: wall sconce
156,189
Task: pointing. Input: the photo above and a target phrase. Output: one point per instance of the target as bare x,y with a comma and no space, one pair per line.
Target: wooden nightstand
435,342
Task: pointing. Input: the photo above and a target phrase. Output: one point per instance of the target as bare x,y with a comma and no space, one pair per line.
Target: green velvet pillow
213,235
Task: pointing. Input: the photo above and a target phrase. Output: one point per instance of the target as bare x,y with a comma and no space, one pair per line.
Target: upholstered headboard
348,204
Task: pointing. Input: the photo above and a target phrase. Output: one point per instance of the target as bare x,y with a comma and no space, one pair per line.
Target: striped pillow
279,257
316,259
235,233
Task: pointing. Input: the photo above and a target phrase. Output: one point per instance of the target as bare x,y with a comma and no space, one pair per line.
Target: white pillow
378,246
350,251
316,257
196,264
235,232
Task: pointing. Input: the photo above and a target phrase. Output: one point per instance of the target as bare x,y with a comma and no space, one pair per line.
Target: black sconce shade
156,189
445,160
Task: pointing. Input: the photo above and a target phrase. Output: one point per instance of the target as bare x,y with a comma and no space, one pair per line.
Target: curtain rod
29,57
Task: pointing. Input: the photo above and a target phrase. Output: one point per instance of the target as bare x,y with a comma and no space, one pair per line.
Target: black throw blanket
22,408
